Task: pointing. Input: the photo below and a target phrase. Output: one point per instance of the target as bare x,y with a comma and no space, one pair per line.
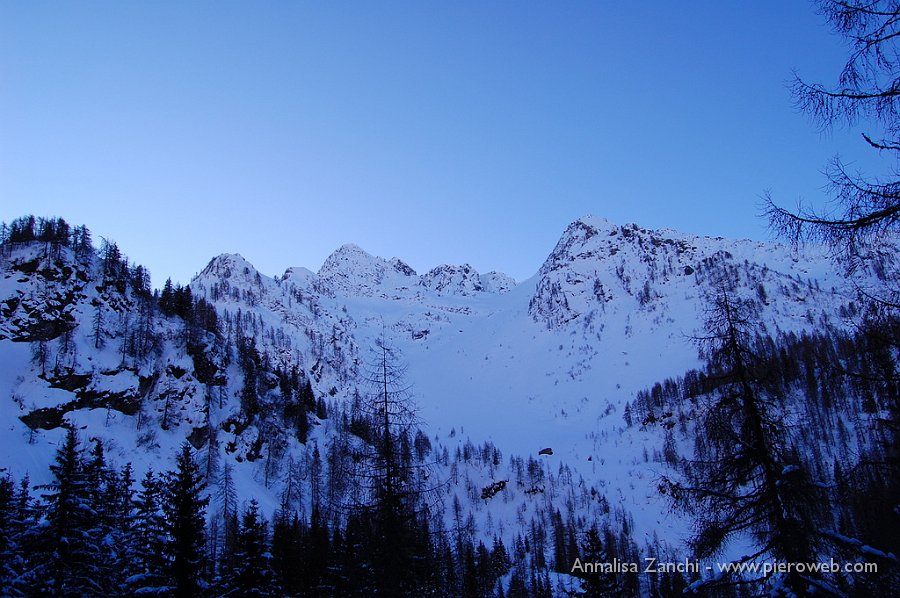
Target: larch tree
394,491
862,227
745,480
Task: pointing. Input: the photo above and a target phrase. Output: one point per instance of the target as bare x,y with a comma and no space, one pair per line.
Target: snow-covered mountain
549,362
350,271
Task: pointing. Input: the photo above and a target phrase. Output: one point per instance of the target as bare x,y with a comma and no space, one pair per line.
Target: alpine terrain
647,407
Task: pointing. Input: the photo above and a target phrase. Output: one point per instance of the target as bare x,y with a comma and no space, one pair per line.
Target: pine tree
70,542
82,244
287,539
226,499
596,584
471,588
121,513
111,264
105,496
167,299
98,324
15,523
183,303
150,540
314,466
562,560
139,277
251,366
8,547
517,587
866,214
252,574
317,556
184,508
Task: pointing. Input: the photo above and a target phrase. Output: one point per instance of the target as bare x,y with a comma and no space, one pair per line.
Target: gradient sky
438,132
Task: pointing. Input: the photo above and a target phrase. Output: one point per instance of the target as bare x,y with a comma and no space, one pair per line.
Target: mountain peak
455,280
402,267
346,256
595,222
497,282
352,270
347,251
228,265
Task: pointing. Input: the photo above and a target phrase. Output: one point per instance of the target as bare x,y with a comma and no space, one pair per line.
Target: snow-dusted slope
598,267
553,362
550,362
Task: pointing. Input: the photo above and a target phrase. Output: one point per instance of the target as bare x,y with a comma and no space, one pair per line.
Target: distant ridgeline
251,435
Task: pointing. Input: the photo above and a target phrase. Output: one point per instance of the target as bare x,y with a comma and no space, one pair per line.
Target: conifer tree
252,574
393,492
251,366
16,521
98,324
150,539
81,243
70,543
749,481
106,498
225,496
167,299
287,539
596,584
866,213
317,556
184,508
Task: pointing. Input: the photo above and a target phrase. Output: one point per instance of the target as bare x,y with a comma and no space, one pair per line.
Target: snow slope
550,362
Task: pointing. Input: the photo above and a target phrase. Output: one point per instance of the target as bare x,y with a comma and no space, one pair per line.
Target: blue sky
438,132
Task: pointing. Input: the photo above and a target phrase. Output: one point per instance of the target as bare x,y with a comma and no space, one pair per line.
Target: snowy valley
269,379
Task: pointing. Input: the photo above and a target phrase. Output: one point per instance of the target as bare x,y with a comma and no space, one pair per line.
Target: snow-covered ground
550,362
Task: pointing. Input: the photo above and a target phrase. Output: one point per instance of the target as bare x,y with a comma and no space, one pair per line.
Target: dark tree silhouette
184,508
748,480
863,224
18,522
394,492
252,573
597,584
862,227
70,541
150,538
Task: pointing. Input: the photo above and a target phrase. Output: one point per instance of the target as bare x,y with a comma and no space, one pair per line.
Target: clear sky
438,132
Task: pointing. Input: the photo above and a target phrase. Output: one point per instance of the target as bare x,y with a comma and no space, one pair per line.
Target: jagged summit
458,280
348,256
594,261
601,268
497,282
402,267
595,222
228,266
587,246
350,270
